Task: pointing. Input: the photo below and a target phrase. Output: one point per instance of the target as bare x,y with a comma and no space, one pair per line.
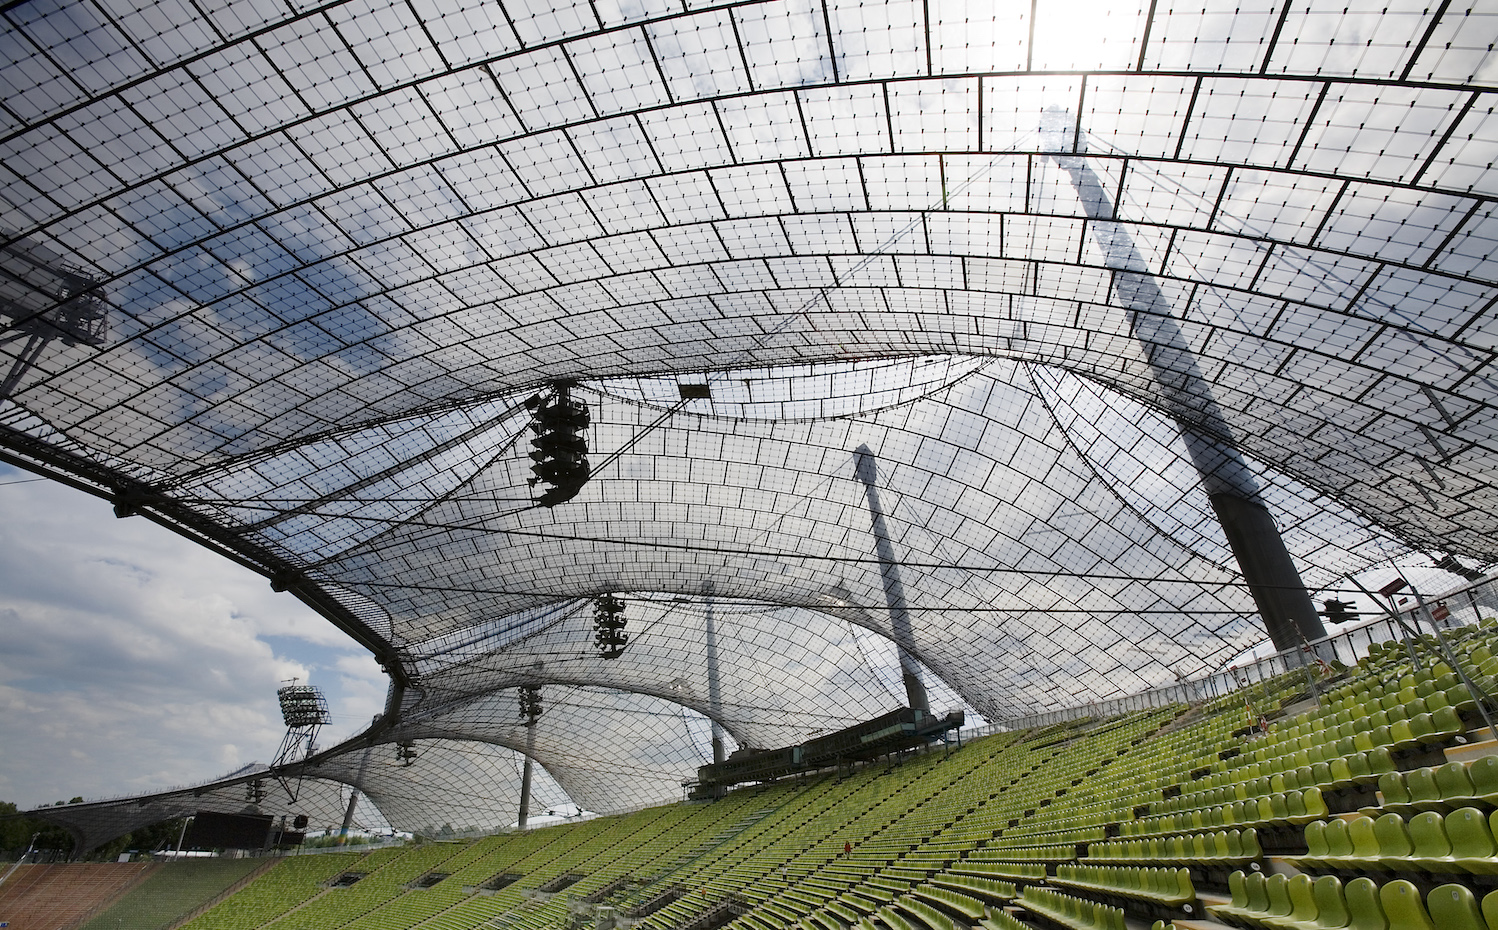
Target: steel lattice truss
342,244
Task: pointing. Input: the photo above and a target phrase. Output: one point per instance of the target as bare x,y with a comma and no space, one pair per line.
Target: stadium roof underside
283,277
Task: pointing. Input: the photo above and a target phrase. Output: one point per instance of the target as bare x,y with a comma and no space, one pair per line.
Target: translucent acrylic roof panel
285,280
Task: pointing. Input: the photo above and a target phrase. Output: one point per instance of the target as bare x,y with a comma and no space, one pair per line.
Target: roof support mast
714,686
894,589
530,711
1278,591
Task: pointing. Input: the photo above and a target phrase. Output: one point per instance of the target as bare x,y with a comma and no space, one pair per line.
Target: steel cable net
340,248
450,786
770,676
608,750
322,801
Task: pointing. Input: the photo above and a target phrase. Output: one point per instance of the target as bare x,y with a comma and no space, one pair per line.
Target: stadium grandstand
896,464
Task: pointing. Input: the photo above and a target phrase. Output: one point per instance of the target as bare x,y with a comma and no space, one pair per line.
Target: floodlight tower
530,711
43,298
305,711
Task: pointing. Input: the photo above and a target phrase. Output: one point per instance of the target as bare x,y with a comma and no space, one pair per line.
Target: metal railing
1464,606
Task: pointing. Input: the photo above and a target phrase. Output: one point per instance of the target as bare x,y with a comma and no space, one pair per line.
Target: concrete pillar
894,590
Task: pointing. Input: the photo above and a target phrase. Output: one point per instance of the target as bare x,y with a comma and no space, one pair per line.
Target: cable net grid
318,231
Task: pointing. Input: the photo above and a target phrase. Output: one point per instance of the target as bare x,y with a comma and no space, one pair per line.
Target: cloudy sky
132,660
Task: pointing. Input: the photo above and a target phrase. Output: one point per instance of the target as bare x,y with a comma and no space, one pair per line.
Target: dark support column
1272,578
714,692
348,815
525,775
1276,586
894,590
353,798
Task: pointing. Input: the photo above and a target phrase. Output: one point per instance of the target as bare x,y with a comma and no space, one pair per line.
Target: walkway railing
1463,606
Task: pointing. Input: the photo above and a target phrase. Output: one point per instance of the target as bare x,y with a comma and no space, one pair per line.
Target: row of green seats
950,898
1295,806
1327,771
1462,841
1169,887
1219,847
1356,768
1443,788
1002,920
990,889
1071,912
1031,872
285,885
1300,903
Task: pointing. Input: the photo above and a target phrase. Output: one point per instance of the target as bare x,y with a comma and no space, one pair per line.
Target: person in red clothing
847,847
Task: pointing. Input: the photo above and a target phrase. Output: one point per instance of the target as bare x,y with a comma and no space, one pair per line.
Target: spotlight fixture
405,752
1339,611
530,704
609,637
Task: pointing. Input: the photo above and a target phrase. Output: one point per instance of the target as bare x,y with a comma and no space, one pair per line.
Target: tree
16,833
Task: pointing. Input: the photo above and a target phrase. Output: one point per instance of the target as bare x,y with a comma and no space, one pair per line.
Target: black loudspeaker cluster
559,448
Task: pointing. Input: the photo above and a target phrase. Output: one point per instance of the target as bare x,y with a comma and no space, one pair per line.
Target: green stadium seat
1448,723
1490,909
1279,808
1316,847
1362,850
1277,890
1393,788
1403,906
1484,775
1394,846
1379,761
1455,783
1461,700
1432,850
1380,738
1302,916
1365,911
1347,770
1424,792
1249,898
1473,847
1454,907
1331,906
1307,805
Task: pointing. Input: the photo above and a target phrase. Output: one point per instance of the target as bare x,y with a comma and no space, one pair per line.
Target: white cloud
133,660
